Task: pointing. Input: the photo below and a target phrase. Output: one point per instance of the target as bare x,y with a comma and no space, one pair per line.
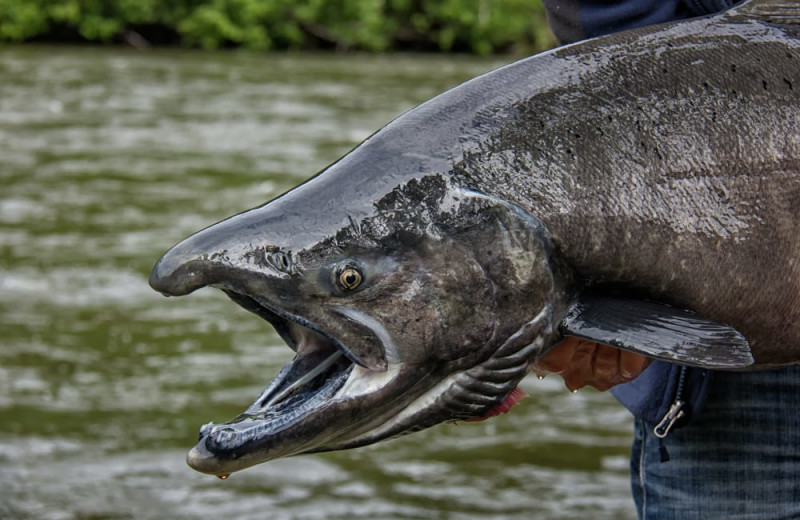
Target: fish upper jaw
293,328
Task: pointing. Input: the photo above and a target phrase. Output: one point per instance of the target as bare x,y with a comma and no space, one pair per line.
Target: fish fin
657,330
785,12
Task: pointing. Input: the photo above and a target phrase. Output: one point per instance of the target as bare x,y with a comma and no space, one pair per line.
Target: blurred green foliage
480,26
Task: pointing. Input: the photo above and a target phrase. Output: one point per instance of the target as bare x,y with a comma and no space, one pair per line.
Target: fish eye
350,278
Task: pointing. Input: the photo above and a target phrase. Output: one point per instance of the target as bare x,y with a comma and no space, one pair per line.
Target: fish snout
176,275
223,254
227,254
186,268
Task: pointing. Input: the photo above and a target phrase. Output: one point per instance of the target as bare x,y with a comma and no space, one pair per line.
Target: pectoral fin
657,330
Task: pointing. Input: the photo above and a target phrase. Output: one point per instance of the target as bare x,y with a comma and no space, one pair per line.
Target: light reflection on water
111,156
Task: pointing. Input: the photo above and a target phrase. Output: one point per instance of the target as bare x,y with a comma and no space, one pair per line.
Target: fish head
422,307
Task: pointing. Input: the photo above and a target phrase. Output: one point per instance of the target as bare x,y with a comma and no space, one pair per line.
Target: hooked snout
226,254
177,274
248,242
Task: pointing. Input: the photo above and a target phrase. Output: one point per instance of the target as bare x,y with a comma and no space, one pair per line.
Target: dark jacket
574,20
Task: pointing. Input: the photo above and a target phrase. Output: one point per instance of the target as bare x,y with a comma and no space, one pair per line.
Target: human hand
586,363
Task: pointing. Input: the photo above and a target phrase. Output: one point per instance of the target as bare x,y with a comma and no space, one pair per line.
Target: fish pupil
350,278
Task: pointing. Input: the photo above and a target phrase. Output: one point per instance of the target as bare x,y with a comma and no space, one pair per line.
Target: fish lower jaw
406,420
259,434
202,460
363,381
457,397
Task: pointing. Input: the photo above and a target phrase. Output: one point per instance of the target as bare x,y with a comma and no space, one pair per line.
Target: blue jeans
738,459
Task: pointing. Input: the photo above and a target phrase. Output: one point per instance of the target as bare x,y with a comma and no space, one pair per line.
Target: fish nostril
280,261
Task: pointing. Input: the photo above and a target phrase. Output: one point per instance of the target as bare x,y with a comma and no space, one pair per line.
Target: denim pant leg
738,459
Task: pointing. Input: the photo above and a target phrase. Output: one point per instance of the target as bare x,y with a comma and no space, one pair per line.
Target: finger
631,365
559,357
579,372
606,367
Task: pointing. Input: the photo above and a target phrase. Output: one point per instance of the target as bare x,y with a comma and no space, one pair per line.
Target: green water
107,158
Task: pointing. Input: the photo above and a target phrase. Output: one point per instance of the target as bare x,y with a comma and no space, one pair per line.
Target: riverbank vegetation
478,26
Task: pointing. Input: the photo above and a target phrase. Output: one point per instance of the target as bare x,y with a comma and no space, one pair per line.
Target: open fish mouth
301,389
327,398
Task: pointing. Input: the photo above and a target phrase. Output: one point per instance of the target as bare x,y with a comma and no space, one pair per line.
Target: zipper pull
675,412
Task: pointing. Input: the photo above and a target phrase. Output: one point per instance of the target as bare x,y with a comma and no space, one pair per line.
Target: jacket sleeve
574,20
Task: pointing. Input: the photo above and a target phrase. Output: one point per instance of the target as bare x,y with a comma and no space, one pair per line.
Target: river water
107,158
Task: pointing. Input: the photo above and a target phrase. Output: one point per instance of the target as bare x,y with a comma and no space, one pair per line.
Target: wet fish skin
640,190
665,161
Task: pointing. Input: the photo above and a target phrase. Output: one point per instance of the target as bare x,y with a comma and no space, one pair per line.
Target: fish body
640,190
